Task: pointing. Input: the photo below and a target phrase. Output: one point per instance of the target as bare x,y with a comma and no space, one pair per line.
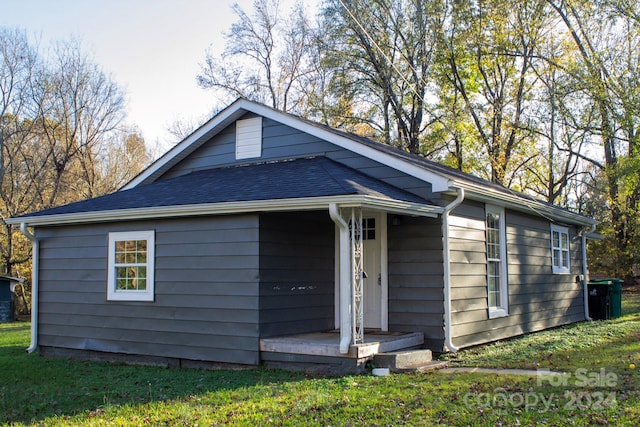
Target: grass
586,344
602,389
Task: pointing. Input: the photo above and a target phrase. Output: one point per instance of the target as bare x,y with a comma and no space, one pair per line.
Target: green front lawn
601,388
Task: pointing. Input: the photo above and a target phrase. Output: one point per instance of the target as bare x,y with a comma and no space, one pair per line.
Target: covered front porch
361,289
361,327
327,344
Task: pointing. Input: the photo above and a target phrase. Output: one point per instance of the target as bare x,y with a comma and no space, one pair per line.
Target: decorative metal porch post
357,265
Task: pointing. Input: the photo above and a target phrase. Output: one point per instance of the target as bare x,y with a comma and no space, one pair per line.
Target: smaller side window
495,234
131,266
560,254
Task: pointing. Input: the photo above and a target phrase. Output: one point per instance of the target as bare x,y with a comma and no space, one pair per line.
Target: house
263,238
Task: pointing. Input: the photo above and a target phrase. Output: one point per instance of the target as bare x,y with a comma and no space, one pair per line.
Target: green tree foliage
540,96
490,52
383,52
605,37
60,140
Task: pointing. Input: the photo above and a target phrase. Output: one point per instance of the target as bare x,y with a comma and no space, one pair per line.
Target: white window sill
130,296
497,312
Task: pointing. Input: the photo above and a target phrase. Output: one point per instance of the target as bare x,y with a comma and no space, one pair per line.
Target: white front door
373,281
375,304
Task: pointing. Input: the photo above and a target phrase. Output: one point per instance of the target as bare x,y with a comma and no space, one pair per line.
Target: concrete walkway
500,371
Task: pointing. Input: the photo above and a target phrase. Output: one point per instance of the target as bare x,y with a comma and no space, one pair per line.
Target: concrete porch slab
328,344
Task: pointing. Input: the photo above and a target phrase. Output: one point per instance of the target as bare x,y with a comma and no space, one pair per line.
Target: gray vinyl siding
296,273
538,299
416,299
206,291
281,142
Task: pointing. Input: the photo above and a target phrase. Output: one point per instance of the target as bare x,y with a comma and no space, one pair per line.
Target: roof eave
226,208
517,202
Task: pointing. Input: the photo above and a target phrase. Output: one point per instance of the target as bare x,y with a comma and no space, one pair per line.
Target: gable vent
249,138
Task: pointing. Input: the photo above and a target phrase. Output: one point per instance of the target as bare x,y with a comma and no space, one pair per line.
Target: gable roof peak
241,106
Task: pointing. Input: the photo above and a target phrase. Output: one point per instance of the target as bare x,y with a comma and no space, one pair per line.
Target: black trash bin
605,299
599,299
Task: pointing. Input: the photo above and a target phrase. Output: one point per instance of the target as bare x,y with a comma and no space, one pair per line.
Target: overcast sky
151,47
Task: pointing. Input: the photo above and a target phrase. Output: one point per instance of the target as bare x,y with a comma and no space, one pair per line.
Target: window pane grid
368,228
131,252
131,278
560,249
494,242
493,280
131,265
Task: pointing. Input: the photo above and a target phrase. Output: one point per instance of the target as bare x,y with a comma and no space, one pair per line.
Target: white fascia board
200,135
242,106
394,206
225,208
516,202
437,181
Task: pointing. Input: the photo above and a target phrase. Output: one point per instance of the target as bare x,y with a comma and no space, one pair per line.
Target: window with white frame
131,266
560,250
496,261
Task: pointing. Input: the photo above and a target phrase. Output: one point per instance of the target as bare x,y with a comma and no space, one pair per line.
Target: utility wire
382,52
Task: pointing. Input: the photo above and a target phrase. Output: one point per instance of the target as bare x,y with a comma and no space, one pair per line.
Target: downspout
585,272
447,269
34,286
344,279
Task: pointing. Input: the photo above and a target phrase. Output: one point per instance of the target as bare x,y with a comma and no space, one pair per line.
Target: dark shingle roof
309,177
423,162
433,166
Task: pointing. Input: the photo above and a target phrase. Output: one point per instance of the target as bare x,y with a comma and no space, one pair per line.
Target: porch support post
357,266
344,278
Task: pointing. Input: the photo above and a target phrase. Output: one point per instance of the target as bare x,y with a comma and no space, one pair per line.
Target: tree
266,58
123,157
490,49
560,118
58,116
21,110
84,108
606,37
382,52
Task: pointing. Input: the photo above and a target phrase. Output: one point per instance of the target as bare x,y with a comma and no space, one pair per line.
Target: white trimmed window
496,261
560,250
249,138
131,266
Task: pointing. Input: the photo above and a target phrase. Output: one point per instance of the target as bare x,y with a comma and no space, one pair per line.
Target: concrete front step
399,360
